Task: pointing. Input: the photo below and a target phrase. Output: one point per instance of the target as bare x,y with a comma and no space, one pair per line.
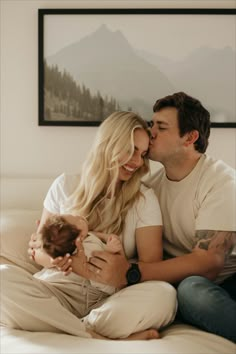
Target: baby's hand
114,244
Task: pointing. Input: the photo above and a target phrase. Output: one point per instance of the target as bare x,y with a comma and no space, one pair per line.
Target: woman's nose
137,160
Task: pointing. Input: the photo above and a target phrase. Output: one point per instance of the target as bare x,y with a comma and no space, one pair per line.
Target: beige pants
30,304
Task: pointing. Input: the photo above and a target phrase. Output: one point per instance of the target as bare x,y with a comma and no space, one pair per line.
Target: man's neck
181,168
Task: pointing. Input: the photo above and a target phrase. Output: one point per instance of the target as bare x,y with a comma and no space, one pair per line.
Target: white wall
30,150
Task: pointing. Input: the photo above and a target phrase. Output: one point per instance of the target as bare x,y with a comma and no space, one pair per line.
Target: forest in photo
67,100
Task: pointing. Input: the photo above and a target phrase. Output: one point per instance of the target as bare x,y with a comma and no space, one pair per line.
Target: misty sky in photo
136,59
173,36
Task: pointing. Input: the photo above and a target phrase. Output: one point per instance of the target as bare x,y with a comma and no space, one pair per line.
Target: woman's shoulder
147,207
155,178
145,188
148,192
66,183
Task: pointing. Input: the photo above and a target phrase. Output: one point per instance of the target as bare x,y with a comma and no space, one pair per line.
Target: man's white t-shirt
204,200
144,212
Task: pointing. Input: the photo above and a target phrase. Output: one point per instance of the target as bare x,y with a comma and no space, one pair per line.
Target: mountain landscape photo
105,71
105,62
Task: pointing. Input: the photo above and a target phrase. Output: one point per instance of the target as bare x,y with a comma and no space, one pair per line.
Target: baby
58,236
60,232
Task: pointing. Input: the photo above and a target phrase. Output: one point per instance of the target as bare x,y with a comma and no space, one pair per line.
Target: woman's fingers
63,263
31,253
37,222
34,243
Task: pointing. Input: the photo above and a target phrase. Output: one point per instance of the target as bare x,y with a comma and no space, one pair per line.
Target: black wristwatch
133,274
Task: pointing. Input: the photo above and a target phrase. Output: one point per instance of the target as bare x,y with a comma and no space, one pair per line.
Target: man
197,198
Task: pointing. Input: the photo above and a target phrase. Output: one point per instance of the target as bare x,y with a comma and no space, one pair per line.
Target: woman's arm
149,243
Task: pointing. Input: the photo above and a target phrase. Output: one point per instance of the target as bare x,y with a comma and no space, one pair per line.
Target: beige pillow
16,227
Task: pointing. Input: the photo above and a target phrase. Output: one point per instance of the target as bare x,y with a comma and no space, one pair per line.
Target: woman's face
141,144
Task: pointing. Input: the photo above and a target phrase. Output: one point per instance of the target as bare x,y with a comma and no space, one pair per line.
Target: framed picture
93,62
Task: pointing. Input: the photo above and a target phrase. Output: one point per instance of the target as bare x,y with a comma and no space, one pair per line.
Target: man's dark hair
191,116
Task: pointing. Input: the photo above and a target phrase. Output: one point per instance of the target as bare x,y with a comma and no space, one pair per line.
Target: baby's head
59,234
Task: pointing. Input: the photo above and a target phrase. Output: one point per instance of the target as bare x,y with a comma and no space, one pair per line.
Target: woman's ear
191,137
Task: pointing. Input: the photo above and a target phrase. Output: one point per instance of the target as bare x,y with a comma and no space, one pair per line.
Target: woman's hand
63,263
34,244
102,267
76,263
35,251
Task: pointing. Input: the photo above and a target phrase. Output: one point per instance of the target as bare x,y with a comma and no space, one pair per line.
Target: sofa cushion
16,227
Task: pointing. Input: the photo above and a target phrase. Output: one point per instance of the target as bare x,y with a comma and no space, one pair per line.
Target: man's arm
216,241
206,261
207,258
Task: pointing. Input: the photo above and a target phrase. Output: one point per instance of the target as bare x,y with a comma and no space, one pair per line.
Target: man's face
166,144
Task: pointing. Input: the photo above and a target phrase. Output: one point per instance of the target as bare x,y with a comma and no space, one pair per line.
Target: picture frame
92,62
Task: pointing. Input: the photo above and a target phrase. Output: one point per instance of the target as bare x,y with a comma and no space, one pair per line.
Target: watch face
133,274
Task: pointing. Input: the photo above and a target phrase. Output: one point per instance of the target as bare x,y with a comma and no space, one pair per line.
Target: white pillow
16,227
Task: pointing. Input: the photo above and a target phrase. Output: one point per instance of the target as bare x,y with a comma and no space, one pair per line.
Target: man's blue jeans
209,306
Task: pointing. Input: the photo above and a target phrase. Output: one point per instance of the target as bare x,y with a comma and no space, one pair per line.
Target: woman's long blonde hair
96,196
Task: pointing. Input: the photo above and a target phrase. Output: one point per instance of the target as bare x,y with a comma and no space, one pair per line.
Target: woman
110,195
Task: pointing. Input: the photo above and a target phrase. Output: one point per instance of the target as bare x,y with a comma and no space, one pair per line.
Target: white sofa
21,204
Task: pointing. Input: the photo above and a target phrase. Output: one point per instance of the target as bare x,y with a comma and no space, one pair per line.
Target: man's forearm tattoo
221,241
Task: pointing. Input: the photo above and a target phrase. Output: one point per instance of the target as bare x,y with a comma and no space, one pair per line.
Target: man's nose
153,131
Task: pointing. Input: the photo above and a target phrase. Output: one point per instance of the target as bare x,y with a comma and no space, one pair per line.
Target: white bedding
178,339
17,223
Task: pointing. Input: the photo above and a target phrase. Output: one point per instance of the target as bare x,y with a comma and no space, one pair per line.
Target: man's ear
191,137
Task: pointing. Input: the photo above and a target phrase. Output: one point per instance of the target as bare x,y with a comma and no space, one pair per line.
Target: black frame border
107,11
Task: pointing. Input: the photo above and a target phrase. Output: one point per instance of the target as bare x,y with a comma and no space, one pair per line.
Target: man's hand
219,242
217,247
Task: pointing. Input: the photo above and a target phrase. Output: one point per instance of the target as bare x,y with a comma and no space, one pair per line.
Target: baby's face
80,223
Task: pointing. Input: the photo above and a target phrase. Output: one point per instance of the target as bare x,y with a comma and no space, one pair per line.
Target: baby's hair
58,236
